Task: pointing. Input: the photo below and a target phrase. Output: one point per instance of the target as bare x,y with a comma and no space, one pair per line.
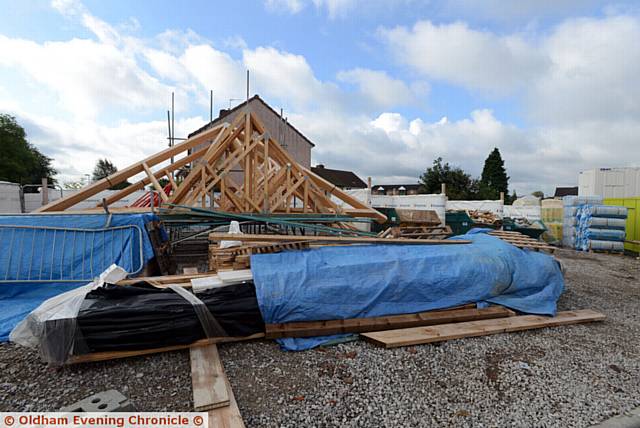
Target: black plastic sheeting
141,316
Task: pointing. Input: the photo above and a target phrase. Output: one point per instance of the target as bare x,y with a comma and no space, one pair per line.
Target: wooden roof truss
272,179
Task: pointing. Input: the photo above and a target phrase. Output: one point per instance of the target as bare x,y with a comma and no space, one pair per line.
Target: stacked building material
590,225
552,215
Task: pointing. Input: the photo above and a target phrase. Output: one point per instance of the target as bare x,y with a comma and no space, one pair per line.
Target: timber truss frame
272,179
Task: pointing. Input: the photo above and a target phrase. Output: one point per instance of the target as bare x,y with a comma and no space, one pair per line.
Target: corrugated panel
633,220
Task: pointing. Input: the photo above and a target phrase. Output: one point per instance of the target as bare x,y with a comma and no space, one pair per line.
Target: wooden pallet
521,241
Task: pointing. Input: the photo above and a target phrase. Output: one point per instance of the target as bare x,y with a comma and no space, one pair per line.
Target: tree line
462,186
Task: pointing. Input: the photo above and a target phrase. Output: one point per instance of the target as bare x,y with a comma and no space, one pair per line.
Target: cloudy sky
382,87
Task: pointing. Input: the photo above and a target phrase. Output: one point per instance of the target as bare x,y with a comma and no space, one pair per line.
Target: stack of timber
522,241
272,179
239,257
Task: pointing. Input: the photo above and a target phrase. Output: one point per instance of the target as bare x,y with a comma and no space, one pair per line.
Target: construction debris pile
287,255
486,218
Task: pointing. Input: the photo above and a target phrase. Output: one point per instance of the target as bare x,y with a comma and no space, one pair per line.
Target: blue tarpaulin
376,280
44,255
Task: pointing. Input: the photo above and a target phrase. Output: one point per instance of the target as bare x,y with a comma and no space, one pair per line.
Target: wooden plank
164,279
362,325
214,236
124,174
439,333
140,184
155,182
112,355
207,379
227,416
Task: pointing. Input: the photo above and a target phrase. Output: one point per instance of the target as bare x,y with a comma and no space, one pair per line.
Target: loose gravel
572,376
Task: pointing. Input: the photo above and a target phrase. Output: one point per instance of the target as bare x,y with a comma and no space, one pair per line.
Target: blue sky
381,87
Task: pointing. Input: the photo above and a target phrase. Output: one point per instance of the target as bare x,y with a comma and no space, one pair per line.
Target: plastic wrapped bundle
598,223
606,234
105,317
609,211
616,246
573,201
600,237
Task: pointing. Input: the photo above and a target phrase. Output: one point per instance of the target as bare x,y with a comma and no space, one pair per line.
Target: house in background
345,180
395,189
289,138
565,191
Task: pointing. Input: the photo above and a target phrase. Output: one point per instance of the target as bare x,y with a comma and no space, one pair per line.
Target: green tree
460,185
538,194
21,162
494,177
105,168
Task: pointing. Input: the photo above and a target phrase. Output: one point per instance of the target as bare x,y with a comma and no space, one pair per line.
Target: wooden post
443,189
305,199
45,191
502,197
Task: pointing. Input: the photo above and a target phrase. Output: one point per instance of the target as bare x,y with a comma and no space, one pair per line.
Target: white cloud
287,77
87,76
467,57
594,72
381,89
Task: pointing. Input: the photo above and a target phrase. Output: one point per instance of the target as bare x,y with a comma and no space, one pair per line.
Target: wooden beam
215,236
392,322
169,175
207,378
155,182
215,149
159,174
439,333
124,174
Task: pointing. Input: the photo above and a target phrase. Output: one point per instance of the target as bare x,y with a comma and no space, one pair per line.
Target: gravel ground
567,376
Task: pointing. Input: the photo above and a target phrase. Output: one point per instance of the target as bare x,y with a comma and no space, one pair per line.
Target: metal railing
63,254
